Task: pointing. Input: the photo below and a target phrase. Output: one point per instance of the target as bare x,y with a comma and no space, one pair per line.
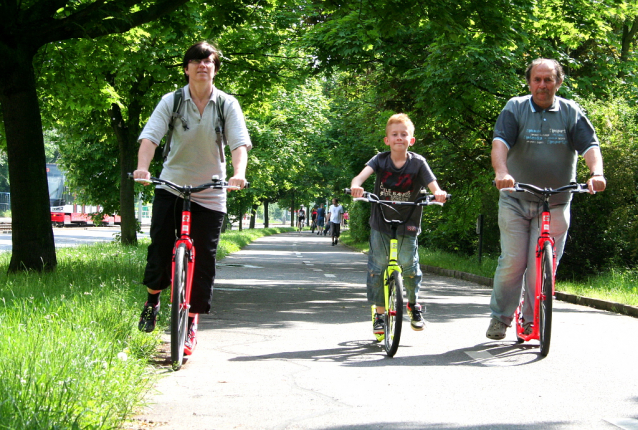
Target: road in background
289,346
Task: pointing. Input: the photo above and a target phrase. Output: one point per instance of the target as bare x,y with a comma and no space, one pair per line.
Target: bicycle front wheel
545,317
394,313
179,310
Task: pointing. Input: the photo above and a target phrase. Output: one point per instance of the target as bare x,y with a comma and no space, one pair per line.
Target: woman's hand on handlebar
142,174
236,181
356,192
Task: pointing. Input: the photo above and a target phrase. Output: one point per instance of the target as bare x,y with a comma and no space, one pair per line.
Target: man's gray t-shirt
544,143
402,184
195,156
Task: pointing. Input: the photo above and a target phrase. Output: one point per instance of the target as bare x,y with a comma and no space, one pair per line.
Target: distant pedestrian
335,214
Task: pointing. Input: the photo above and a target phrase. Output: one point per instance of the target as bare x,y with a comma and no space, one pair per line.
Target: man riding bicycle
537,140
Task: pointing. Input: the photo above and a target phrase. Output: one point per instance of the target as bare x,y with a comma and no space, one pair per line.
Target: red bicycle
183,266
541,327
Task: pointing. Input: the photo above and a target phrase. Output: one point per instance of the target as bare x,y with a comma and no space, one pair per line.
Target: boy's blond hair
400,118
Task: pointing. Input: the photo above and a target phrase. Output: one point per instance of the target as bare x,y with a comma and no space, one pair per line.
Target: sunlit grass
615,286
70,352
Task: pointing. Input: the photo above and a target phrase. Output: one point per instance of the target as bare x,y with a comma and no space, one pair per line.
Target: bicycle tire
545,311
394,314
179,313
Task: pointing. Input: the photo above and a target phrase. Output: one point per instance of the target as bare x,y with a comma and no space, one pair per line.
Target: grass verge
71,356
619,286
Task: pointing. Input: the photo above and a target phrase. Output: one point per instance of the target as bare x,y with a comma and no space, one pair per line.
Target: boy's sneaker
191,340
496,330
378,326
149,317
416,318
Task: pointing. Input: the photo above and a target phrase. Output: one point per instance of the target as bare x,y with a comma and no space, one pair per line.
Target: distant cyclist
301,216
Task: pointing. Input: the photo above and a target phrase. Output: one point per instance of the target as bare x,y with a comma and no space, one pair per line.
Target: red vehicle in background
64,210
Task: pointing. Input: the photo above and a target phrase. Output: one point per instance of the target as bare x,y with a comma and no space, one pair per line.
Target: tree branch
100,19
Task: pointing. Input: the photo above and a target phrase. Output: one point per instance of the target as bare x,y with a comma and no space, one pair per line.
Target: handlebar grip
347,190
130,175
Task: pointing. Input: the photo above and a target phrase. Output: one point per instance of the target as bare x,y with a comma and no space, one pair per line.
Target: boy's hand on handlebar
237,181
440,196
356,192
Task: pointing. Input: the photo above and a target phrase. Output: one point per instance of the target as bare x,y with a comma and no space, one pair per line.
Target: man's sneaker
378,327
496,330
527,328
149,317
416,318
191,340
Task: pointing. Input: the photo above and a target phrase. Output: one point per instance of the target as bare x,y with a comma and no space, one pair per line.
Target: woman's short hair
199,51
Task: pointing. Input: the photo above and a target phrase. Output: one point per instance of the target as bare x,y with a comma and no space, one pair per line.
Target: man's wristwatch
597,174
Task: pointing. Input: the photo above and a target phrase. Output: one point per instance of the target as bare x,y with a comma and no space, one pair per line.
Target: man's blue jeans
408,259
519,222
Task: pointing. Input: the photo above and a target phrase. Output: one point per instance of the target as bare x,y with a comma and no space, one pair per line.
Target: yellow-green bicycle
392,276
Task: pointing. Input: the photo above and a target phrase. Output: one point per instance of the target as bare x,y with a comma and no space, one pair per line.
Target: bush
604,227
359,221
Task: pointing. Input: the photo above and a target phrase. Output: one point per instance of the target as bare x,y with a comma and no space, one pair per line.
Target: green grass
71,356
619,286
616,286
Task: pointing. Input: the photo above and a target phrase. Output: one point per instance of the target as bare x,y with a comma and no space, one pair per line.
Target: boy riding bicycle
400,176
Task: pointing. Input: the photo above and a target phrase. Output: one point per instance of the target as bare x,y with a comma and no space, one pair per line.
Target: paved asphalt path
289,346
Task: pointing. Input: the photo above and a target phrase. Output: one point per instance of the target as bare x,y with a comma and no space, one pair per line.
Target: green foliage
359,225
604,227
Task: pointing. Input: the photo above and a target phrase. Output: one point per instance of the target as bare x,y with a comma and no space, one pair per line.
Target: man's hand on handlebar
504,181
596,184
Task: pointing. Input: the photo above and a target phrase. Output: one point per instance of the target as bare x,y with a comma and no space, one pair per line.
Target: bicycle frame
185,239
543,238
538,295
393,266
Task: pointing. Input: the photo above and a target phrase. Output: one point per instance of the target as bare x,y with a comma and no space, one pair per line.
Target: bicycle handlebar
424,200
215,183
521,187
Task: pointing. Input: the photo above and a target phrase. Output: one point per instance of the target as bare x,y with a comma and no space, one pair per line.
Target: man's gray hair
560,74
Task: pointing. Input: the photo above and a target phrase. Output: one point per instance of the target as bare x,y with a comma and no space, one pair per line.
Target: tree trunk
266,224
253,215
33,243
127,146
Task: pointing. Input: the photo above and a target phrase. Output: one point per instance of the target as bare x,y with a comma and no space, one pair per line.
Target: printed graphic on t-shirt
550,136
395,187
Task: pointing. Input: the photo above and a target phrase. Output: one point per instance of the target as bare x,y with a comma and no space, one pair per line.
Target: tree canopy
317,81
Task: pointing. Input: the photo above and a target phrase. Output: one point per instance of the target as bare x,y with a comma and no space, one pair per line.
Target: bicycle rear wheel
179,312
394,313
545,317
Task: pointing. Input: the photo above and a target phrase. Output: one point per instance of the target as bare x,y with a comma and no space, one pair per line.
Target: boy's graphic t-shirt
402,185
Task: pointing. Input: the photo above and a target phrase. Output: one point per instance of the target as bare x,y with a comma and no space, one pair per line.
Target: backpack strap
221,124
178,97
